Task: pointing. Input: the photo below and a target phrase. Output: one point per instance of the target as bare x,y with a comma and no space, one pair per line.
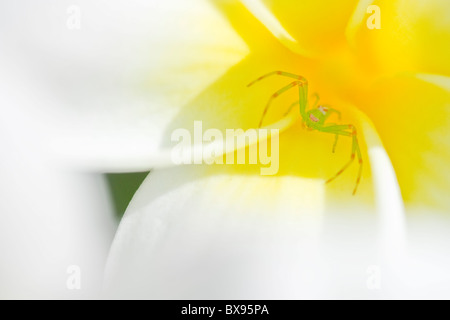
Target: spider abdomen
316,116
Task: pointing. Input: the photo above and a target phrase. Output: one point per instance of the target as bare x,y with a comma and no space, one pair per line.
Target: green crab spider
315,118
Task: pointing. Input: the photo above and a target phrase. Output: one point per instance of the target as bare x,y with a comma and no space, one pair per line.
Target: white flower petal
388,198
310,28
263,14
111,86
199,232
203,233
51,219
209,232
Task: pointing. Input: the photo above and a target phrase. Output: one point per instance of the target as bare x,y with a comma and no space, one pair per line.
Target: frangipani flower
225,231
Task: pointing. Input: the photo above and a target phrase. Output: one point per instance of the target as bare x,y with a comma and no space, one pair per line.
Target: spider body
315,117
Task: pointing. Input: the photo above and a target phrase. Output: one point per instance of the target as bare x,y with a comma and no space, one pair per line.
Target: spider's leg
360,161
330,111
275,95
291,107
340,130
301,82
316,101
279,73
316,97
356,151
336,138
335,143
337,128
352,157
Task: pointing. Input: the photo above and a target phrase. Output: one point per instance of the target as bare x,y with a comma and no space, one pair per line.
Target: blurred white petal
51,218
112,86
198,233
204,233
207,232
98,97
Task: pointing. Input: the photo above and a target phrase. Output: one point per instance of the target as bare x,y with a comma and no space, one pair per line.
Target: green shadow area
122,187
